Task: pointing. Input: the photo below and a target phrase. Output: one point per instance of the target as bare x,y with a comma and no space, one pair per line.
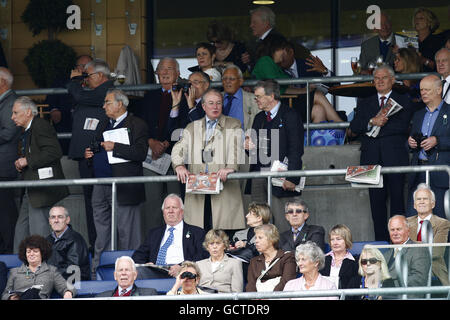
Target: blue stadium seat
11,260
327,248
358,246
161,285
91,288
105,269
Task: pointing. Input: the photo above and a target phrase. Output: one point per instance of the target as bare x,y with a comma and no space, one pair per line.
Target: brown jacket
285,267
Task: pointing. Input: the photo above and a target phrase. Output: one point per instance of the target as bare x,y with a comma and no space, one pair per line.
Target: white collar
119,119
265,34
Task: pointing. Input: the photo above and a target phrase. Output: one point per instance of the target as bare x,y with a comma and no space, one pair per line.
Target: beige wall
115,34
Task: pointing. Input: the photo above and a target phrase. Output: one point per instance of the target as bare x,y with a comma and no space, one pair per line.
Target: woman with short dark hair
35,279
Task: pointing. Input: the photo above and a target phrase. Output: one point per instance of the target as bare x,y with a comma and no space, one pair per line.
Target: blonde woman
219,271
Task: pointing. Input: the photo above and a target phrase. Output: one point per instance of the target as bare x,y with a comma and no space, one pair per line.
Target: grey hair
401,217
7,75
443,49
312,251
385,67
211,90
119,96
177,65
64,210
173,195
99,65
296,203
128,258
233,66
424,186
203,75
26,103
270,86
266,14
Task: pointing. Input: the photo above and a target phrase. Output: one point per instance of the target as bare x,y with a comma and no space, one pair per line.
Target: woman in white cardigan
219,271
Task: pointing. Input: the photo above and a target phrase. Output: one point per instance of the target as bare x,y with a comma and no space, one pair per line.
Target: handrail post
401,268
269,191
307,113
426,234
113,217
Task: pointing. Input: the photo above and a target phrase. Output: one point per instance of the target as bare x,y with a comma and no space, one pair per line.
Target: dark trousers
8,218
207,214
86,171
393,187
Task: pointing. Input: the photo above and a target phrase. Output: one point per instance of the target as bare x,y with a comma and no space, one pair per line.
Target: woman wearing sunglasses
187,280
374,271
340,265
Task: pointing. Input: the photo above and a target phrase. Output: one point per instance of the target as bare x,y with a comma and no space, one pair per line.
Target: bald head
398,229
431,91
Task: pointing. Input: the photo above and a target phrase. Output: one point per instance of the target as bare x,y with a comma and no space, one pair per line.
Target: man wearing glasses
88,117
297,213
277,134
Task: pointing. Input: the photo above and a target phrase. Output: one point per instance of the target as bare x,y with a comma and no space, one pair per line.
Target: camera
207,156
182,85
419,137
188,275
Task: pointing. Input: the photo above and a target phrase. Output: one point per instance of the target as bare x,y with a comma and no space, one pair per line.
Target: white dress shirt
175,253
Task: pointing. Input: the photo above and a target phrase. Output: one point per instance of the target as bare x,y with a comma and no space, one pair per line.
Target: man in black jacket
123,157
297,214
170,244
277,134
68,246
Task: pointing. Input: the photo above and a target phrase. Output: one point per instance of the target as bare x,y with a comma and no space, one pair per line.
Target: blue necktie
161,259
227,108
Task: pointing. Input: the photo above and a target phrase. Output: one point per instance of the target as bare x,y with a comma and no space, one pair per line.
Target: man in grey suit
9,136
380,45
125,274
418,259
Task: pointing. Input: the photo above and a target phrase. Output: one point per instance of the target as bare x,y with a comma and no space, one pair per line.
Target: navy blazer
290,144
440,154
308,233
193,250
389,148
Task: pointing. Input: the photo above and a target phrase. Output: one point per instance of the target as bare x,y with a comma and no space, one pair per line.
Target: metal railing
239,175
340,293
307,81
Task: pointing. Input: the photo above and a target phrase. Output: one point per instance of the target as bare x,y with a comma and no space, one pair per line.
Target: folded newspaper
278,182
391,107
368,176
160,165
204,183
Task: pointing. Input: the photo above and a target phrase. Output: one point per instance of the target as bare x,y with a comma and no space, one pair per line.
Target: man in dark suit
388,148
297,213
88,117
170,244
118,159
277,134
418,259
155,109
380,45
40,155
9,136
430,126
125,274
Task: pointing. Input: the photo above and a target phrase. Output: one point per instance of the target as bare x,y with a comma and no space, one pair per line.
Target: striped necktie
161,259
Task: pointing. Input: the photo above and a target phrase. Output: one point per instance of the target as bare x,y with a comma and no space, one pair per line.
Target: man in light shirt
442,59
424,203
169,245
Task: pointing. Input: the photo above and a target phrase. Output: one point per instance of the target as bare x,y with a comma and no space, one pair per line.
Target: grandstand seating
359,245
105,269
11,260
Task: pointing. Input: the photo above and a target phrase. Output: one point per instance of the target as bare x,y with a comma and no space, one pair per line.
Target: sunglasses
291,211
371,260
188,275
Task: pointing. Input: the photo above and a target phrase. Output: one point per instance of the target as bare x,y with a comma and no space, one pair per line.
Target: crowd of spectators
202,130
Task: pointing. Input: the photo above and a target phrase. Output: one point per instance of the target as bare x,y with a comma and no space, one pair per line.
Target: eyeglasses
188,275
371,261
229,79
298,211
90,74
259,97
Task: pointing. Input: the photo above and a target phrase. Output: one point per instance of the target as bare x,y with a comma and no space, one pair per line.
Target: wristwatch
370,122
